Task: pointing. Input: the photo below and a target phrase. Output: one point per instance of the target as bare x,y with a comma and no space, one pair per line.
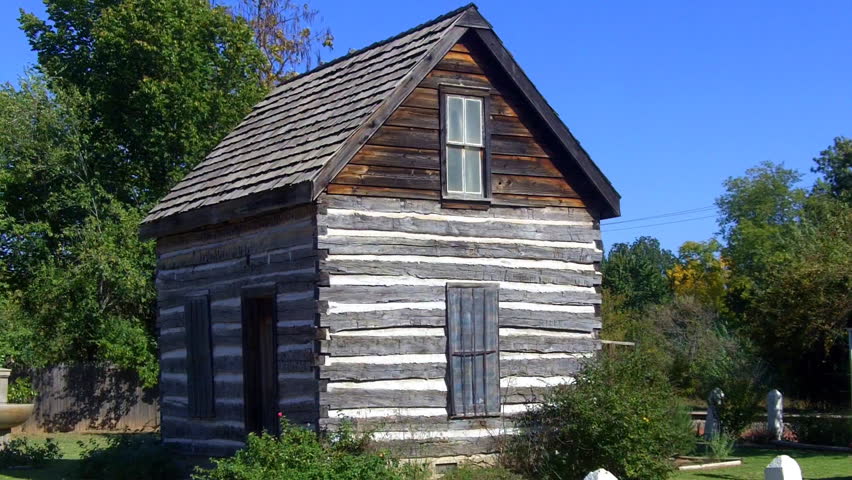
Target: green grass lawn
56,469
815,466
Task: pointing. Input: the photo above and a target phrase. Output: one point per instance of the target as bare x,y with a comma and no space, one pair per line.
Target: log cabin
407,236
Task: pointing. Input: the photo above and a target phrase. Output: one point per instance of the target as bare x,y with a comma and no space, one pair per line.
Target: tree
789,254
700,272
637,273
282,30
167,79
835,166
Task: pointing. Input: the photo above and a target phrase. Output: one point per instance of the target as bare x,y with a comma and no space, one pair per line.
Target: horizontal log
440,448
445,77
509,125
527,367
425,293
462,272
528,185
369,345
345,244
201,429
520,165
501,230
383,192
419,424
459,62
269,239
356,372
501,199
392,177
390,318
397,157
423,98
391,136
369,398
225,232
406,116
547,344
397,205
513,145
230,287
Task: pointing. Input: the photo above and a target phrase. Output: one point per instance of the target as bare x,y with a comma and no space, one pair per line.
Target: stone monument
775,414
713,424
782,468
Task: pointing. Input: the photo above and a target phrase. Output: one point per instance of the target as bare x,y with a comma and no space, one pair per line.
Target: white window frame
466,145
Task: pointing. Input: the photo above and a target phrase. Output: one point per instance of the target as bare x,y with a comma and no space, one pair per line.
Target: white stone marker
600,474
782,467
775,414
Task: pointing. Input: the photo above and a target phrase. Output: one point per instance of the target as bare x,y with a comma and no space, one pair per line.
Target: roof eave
228,211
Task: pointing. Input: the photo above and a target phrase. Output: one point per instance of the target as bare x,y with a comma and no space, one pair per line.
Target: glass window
465,151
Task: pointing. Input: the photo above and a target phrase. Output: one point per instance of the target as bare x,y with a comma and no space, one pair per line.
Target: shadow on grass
52,470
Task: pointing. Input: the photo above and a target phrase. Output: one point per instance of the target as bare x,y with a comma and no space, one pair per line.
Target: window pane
473,121
472,171
454,169
455,119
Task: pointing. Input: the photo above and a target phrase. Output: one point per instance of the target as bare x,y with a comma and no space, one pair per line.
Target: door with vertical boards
260,372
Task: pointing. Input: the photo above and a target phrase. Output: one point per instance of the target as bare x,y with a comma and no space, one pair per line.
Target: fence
84,398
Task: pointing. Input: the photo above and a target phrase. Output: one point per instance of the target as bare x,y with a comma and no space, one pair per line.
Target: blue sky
669,98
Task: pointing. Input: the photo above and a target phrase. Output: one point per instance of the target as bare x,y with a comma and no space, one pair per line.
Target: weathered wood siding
402,160
277,250
385,264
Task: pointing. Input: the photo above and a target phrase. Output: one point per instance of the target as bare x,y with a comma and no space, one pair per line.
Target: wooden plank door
260,364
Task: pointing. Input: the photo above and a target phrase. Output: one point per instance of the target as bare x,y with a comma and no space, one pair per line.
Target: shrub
127,457
470,472
721,446
299,454
620,414
21,391
820,430
744,386
19,452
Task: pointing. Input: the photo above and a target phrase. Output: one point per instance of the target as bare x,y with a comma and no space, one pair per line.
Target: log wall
274,250
384,267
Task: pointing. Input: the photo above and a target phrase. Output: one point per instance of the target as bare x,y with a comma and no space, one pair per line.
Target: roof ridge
373,45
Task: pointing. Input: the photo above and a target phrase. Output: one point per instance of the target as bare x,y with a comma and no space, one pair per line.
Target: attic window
464,151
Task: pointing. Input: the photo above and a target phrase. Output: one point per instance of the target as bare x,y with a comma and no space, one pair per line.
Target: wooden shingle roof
296,139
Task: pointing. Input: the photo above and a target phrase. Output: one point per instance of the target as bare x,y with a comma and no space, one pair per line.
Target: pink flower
280,414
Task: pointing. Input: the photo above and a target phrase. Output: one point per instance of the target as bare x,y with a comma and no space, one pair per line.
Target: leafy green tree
636,273
789,252
166,79
835,166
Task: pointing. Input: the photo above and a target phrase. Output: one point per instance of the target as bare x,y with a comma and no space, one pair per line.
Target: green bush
127,457
620,414
721,446
830,431
299,454
21,391
19,452
470,472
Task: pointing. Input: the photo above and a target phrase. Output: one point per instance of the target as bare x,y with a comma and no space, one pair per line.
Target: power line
657,224
664,215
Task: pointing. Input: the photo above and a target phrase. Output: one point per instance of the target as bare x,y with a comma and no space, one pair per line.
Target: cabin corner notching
407,237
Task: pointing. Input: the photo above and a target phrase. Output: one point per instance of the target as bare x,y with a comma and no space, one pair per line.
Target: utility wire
657,224
663,215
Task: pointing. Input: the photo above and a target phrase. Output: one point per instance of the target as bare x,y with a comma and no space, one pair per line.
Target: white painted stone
775,414
600,474
782,467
